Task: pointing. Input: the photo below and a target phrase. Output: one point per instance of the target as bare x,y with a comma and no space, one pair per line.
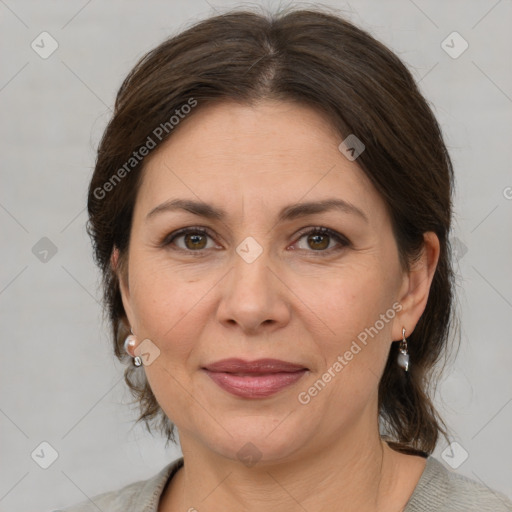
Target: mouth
254,379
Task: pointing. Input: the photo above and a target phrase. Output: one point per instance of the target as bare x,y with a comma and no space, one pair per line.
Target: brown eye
193,239
319,240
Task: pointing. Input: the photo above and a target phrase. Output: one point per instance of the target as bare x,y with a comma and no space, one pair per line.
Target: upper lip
234,365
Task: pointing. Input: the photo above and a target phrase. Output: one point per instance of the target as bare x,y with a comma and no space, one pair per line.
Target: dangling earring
130,341
403,356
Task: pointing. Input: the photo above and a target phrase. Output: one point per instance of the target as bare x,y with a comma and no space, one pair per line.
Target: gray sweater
439,490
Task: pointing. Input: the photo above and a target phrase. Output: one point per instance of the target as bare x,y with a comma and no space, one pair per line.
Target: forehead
236,131
271,152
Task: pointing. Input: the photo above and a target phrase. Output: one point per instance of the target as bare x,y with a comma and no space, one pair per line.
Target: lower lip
258,386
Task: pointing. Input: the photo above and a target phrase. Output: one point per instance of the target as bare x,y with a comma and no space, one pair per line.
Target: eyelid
168,239
321,229
341,239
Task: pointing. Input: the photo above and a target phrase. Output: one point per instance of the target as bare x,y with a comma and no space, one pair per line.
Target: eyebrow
288,213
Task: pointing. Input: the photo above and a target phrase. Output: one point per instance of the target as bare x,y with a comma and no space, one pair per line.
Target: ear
122,276
416,287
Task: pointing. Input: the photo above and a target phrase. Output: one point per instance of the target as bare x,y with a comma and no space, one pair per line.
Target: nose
253,297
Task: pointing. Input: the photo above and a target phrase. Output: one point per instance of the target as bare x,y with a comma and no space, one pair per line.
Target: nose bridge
249,279
252,294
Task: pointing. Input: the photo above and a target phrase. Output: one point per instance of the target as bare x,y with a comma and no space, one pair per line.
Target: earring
130,342
403,357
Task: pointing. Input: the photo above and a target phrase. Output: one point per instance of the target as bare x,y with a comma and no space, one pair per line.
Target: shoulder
140,496
442,490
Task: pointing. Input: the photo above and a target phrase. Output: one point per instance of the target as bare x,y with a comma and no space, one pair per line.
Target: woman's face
258,284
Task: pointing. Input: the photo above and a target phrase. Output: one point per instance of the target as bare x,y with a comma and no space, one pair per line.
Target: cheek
168,313
353,301
166,306
358,308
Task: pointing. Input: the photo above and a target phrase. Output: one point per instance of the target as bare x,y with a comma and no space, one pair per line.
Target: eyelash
318,230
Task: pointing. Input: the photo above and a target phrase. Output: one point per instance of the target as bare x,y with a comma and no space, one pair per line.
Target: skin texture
303,300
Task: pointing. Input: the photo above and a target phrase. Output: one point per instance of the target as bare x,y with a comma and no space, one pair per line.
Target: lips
261,366
254,379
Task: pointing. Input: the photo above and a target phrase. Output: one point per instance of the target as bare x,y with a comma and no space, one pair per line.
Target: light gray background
59,380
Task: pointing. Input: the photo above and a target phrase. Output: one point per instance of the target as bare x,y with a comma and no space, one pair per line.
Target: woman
270,209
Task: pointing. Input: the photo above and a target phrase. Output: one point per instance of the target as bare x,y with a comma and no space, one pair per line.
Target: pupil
316,238
321,241
194,239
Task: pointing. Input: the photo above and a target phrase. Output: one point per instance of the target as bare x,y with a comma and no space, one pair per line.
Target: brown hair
319,59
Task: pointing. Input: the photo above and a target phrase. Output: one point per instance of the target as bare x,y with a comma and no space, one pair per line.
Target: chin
254,439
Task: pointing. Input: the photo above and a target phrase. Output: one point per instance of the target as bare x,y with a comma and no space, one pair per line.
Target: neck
356,473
